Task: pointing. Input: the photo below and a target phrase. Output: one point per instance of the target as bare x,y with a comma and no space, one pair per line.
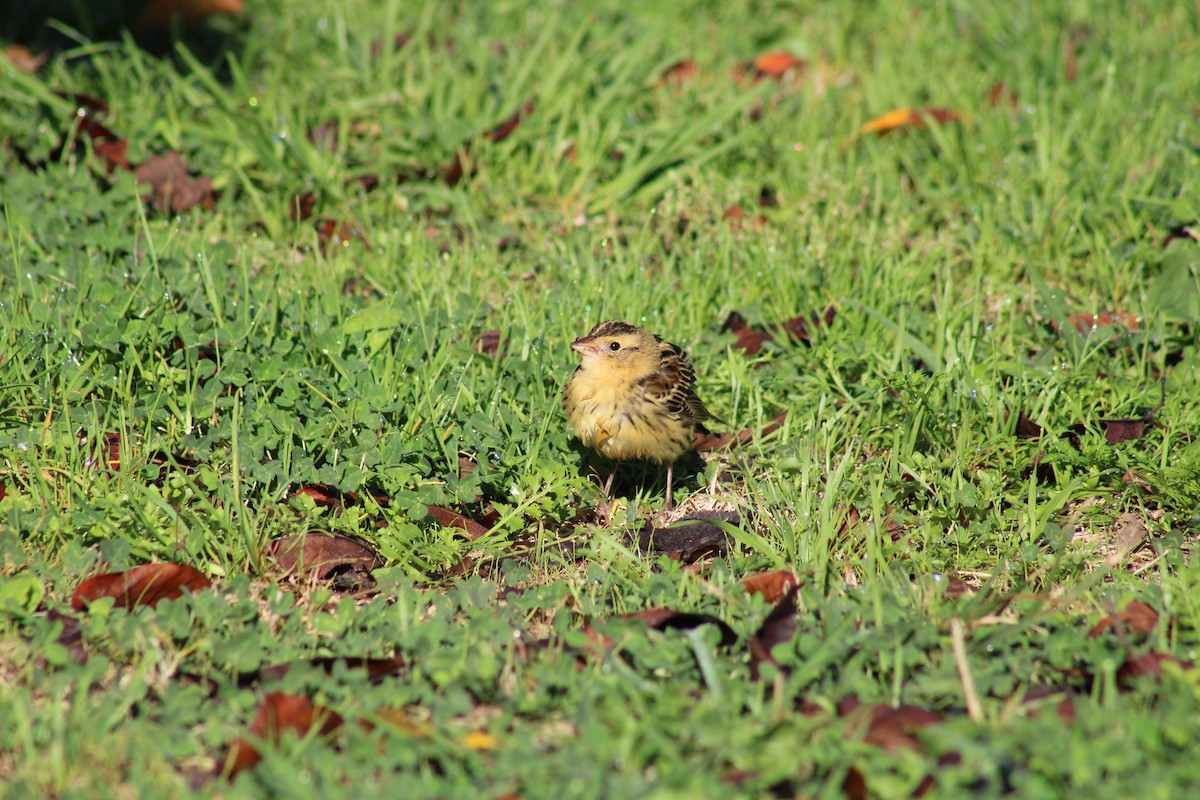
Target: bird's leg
611,475
669,504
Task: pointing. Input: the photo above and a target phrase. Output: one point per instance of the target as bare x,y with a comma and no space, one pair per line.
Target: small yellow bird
631,397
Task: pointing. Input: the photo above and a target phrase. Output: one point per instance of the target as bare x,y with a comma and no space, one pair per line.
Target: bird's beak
584,345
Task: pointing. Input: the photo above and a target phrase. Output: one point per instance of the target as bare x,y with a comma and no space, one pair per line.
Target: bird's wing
672,385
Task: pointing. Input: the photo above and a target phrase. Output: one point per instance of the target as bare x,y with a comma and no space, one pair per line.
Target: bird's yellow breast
611,415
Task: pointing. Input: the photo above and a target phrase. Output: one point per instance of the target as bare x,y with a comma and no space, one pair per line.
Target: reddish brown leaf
1148,665
798,327
488,343
3,490
777,64
23,59
1123,430
1027,428
322,494
1001,95
278,712
1070,61
323,554
888,727
738,220
452,519
331,232
113,153
908,118
779,627
158,15
506,128
1189,232
1089,323
145,585
678,74
956,587
1138,619
302,207
172,187
706,441
773,585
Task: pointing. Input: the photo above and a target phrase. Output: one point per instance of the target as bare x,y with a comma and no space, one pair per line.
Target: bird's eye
614,346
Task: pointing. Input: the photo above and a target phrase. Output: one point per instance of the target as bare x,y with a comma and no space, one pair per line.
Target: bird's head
619,346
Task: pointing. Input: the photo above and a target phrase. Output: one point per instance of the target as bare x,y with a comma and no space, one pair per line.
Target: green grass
954,257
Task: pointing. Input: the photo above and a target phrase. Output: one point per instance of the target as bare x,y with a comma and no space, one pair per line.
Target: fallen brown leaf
158,15
906,119
1138,619
779,627
678,74
172,187
323,554
706,441
777,64
452,519
277,713
146,585
773,586
23,59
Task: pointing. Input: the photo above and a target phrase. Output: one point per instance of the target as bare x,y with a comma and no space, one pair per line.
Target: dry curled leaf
777,64
146,585
773,585
23,59
452,519
159,15
707,440
1138,619
678,74
322,554
779,627
905,119
277,713
172,187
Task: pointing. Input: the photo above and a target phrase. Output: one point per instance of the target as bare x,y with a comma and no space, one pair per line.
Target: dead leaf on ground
159,15
777,64
1138,619
1087,324
1027,428
278,712
707,440
23,59
462,165
489,343
1130,532
324,555
678,74
89,111
172,187
1149,665
1000,96
331,233
778,628
773,586
750,339
452,519
690,538
375,668
146,585
1190,232
738,220
904,119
